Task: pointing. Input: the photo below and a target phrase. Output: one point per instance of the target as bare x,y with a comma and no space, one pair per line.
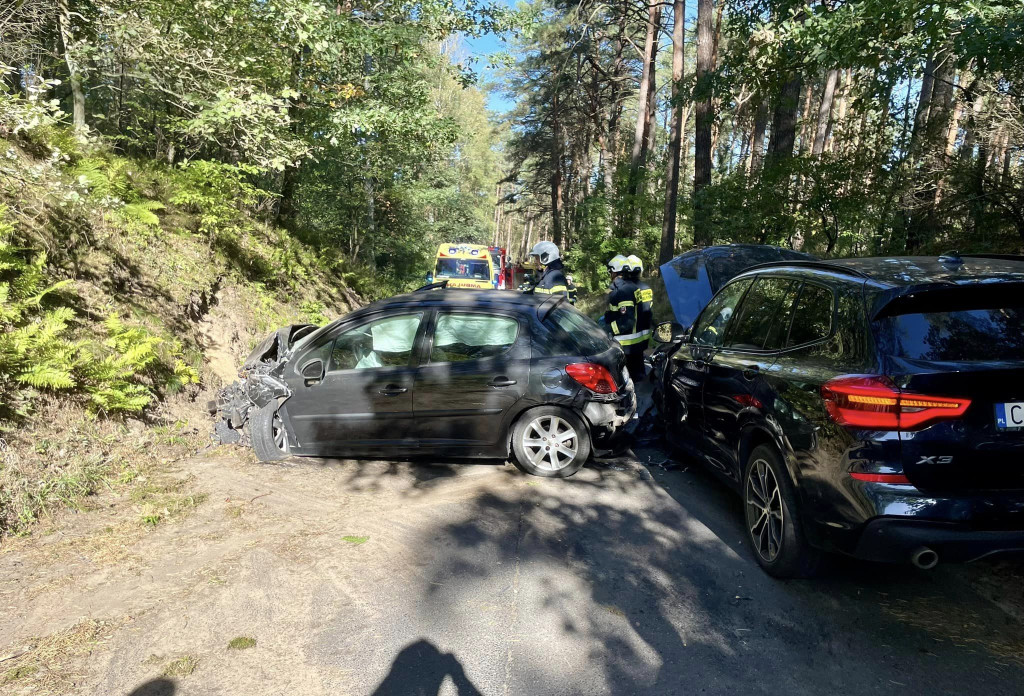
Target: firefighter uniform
573,292
552,281
630,315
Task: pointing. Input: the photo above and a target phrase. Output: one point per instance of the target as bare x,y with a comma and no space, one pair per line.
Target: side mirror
669,332
430,278
313,370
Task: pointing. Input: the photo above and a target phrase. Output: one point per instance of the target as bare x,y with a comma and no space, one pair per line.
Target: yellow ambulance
465,266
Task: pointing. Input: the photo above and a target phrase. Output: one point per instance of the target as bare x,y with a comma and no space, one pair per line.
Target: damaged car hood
275,347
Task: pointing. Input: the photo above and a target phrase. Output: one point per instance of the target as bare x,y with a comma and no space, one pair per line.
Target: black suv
444,373
872,407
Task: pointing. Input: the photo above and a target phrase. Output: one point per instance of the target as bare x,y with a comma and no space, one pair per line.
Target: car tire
772,518
550,441
268,434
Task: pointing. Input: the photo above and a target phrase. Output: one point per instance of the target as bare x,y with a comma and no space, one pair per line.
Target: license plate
1010,416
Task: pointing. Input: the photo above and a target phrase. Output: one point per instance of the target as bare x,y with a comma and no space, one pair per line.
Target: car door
476,366
734,390
362,404
687,370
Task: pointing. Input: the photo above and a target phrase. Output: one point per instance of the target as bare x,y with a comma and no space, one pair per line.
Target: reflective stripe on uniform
615,327
644,295
621,305
630,339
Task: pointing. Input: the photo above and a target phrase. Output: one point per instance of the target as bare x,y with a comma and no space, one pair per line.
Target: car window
812,318
585,334
385,342
462,268
460,337
768,303
710,326
966,335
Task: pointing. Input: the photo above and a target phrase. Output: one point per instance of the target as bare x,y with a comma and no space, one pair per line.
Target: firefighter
644,307
573,292
629,311
552,278
620,317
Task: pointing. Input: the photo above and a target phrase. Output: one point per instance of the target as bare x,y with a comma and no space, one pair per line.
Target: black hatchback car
444,373
872,407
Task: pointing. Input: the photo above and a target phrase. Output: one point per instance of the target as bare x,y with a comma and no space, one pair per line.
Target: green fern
142,212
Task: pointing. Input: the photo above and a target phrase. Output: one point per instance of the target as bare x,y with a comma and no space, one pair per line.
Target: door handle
751,372
393,390
502,382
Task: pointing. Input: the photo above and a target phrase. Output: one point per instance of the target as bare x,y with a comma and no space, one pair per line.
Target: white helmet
634,264
617,264
545,251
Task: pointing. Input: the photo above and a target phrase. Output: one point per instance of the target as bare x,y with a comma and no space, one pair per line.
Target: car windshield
967,335
462,268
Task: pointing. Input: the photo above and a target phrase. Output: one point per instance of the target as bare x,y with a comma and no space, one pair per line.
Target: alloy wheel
279,433
550,443
765,515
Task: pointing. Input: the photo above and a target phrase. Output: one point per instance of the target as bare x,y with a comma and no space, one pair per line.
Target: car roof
907,271
464,298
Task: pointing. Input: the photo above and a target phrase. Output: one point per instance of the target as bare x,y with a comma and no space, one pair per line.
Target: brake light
874,402
880,478
594,377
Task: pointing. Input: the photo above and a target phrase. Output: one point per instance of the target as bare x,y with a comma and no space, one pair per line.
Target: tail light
594,377
874,402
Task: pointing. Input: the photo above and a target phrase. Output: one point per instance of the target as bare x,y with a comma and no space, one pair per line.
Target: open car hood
693,278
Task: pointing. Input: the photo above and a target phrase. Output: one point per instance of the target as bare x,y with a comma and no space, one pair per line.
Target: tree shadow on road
420,669
635,584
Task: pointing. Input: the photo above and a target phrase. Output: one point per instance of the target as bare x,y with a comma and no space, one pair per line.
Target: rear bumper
608,419
894,540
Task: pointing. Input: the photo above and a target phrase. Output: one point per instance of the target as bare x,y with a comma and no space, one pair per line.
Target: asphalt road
365,578
633,579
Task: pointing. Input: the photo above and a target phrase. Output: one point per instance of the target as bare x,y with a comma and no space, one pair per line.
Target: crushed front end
261,381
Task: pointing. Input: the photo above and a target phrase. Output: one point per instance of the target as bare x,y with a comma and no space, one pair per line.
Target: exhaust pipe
924,558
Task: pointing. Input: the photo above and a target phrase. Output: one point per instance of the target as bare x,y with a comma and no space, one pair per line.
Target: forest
840,128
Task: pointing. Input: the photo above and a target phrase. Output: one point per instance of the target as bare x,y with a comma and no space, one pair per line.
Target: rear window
964,335
585,334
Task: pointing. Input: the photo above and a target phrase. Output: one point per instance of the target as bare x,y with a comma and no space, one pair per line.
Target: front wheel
268,434
550,441
773,520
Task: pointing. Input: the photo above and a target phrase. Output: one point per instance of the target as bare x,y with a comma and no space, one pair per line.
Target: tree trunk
702,233
643,116
757,138
668,227
556,173
843,87
804,117
924,100
74,73
783,136
825,112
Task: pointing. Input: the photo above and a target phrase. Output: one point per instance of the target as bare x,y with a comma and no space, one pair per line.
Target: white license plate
1010,416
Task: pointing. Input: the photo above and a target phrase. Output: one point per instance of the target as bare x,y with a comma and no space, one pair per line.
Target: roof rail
441,284
822,265
1001,257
